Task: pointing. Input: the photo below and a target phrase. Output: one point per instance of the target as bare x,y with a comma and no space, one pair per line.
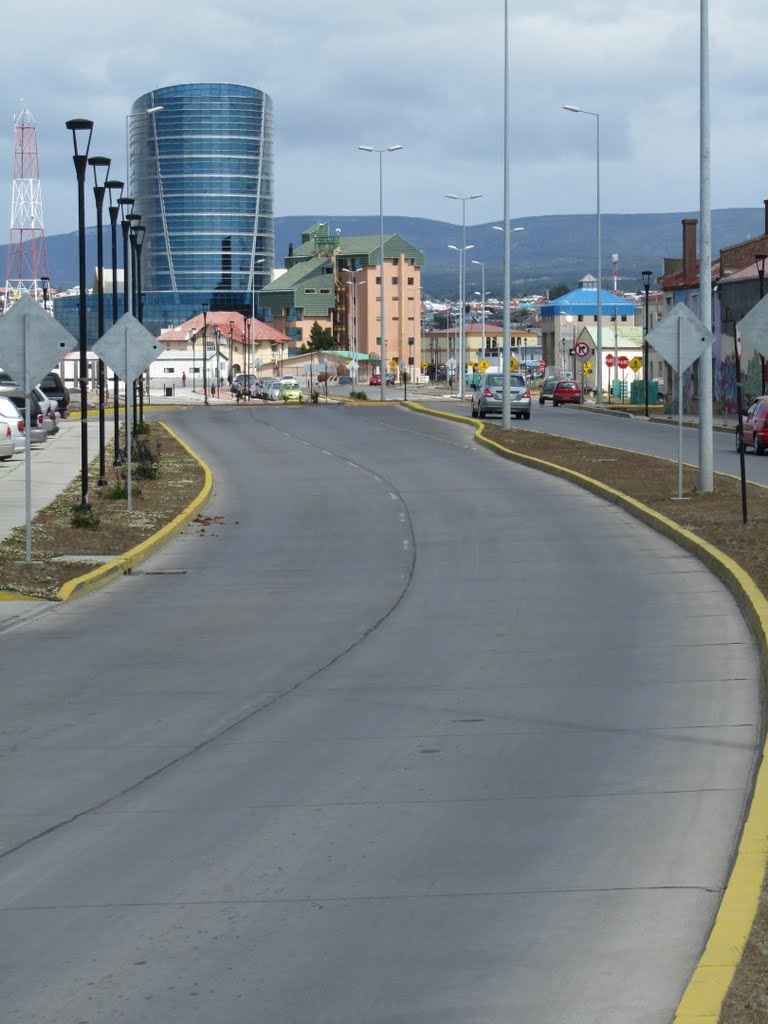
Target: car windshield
496,380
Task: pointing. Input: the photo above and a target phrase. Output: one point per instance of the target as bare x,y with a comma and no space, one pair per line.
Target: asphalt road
401,734
631,433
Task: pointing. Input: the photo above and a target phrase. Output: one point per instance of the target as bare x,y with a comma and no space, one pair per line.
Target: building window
410,280
325,291
623,319
310,291
378,280
581,318
169,369
394,280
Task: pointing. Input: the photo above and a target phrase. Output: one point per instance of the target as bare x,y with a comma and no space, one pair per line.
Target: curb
123,564
708,986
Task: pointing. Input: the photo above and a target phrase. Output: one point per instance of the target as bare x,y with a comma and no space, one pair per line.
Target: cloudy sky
427,76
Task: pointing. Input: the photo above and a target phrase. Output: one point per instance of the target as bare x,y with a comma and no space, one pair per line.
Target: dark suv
54,387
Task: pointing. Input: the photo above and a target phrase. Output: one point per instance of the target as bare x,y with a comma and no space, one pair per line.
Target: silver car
37,432
488,395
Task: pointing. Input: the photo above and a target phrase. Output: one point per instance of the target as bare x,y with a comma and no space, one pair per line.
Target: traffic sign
581,349
623,362
483,365
587,369
635,363
609,359
681,337
513,363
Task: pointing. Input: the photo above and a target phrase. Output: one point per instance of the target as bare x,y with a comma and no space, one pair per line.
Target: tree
557,290
320,337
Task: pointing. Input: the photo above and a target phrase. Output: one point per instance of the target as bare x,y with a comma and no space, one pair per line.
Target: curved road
401,733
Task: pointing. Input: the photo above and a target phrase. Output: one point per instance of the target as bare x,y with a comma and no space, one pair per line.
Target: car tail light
487,393
8,431
526,393
40,420
20,426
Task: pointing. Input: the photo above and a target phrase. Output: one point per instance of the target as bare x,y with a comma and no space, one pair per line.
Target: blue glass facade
201,172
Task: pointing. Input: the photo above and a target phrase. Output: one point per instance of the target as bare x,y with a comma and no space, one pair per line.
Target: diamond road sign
754,326
32,343
681,337
128,348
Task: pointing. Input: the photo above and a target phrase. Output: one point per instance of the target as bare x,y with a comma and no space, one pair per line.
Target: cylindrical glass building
200,161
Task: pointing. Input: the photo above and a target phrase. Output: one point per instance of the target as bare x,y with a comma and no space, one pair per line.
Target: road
402,733
631,433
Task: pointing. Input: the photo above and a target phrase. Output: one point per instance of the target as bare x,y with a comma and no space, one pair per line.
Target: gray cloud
429,77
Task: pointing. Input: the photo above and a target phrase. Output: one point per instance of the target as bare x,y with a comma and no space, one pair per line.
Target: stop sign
623,362
609,360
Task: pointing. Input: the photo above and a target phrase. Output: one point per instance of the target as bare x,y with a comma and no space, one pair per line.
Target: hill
551,250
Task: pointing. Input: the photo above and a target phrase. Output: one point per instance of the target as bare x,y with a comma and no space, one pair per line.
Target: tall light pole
482,299
205,352
462,282
101,165
591,113
353,286
506,346
115,189
82,131
646,274
382,320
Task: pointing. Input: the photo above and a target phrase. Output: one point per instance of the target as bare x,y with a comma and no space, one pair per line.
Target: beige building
335,282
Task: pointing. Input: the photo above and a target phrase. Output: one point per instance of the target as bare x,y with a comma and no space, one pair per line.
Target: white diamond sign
128,348
681,337
754,326
32,343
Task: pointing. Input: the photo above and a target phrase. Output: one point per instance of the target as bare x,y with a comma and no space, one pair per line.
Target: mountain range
550,250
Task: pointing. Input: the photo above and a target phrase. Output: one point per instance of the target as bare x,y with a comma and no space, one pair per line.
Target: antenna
27,259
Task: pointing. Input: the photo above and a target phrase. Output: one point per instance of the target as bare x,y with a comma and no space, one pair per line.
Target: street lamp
462,281
461,324
138,230
760,259
482,299
591,113
646,274
82,131
115,189
205,352
353,286
382,321
101,164
506,352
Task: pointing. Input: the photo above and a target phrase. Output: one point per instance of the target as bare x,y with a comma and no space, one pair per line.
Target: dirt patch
156,500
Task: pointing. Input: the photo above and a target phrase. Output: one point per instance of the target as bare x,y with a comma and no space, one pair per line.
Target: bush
359,396
83,517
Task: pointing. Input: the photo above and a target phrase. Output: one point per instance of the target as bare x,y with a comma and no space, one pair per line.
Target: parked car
345,379
272,390
54,387
243,385
488,396
288,378
390,377
9,417
37,433
560,392
755,426
7,444
290,393
374,381
50,410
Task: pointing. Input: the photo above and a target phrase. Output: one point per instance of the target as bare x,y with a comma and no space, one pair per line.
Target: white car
288,378
11,418
50,410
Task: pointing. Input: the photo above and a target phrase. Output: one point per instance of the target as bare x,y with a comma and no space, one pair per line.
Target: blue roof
583,302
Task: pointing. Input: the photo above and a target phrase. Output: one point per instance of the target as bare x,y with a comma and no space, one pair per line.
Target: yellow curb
712,976
8,595
120,566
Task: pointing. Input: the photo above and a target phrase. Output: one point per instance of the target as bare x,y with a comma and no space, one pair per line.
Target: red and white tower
27,258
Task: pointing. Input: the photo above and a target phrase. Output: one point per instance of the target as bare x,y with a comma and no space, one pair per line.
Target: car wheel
737,440
474,413
759,447
526,415
555,404
481,412
541,400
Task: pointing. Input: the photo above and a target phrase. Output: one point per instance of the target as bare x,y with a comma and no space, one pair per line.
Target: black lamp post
646,274
137,236
134,221
100,165
126,204
205,353
82,131
115,187
760,259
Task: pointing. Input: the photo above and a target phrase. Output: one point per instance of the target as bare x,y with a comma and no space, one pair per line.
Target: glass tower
200,161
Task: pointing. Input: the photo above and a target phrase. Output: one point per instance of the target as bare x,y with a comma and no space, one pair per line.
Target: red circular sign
581,349
609,360
622,362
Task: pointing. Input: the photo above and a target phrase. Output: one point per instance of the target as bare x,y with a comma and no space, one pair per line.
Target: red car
374,380
755,426
566,391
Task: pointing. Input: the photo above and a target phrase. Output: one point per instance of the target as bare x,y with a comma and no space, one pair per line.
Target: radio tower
27,258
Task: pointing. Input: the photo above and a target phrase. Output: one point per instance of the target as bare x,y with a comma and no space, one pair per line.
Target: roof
623,337
307,285
364,247
583,301
257,329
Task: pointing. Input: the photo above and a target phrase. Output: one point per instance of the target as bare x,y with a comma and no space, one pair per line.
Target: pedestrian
183,380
